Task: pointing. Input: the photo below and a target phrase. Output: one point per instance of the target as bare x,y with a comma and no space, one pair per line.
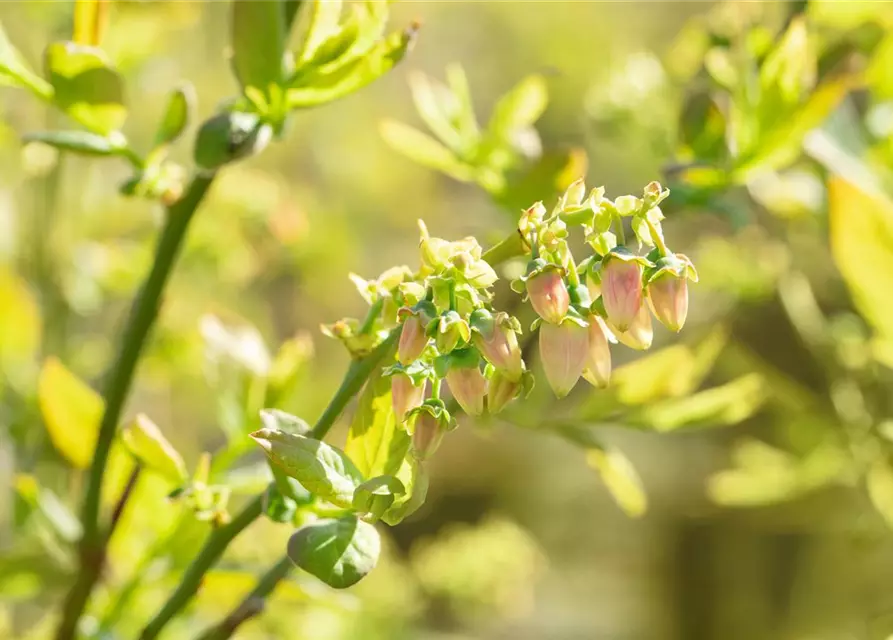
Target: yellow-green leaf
14,71
375,443
146,442
86,86
71,412
19,321
258,42
425,150
620,478
879,482
519,108
861,228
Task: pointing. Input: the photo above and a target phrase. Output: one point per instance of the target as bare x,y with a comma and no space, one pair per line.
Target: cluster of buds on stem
608,297
449,332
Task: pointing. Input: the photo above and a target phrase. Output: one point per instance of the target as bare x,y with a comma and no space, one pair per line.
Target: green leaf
277,506
228,137
323,19
781,145
437,106
180,109
279,420
377,495
464,117
519,108
146,442
14,71
71,412
314,87
543,180
258,42
424,150
786,72
83,142
620,479
415,480
85,86
879,482
320,468
375,442
338,552
720,406
861,229
53,511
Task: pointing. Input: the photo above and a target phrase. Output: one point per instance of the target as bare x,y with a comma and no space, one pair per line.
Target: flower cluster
585,306
448,330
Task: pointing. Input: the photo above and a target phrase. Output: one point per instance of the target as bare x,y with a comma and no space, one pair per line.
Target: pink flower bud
668,299
502,391
548,295
412,340
639,334
427,434
405,396
469,387
597,371
563,349
498,343
621,290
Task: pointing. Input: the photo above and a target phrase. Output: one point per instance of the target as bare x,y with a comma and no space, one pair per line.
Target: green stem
435,389
252,605
621,232
656,238
140,322
374,312
207,557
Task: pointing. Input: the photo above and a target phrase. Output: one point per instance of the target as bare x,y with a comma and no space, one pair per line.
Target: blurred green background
760,529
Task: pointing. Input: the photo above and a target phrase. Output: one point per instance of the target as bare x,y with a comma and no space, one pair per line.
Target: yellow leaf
861,228
620,478
19,322
71,412
879,481
90,21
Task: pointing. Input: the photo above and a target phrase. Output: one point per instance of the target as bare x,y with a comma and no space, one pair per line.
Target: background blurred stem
142,318
252,605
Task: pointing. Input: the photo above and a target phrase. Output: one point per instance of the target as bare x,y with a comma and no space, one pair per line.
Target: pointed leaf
180,109
320,468
318,86
861,228
375,443
519,108
14,71
323,19
620,479
425,150
83,142
71,411
338,552
146,442
85,86
258,42
20,322
415,481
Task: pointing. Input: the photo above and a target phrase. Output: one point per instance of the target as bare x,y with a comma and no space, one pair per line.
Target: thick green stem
252,605
207,557
142,318
621,232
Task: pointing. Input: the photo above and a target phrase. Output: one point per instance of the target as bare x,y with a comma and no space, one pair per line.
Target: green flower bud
451,330
503,390
639,334
427,424
230,136
668,299
563,351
